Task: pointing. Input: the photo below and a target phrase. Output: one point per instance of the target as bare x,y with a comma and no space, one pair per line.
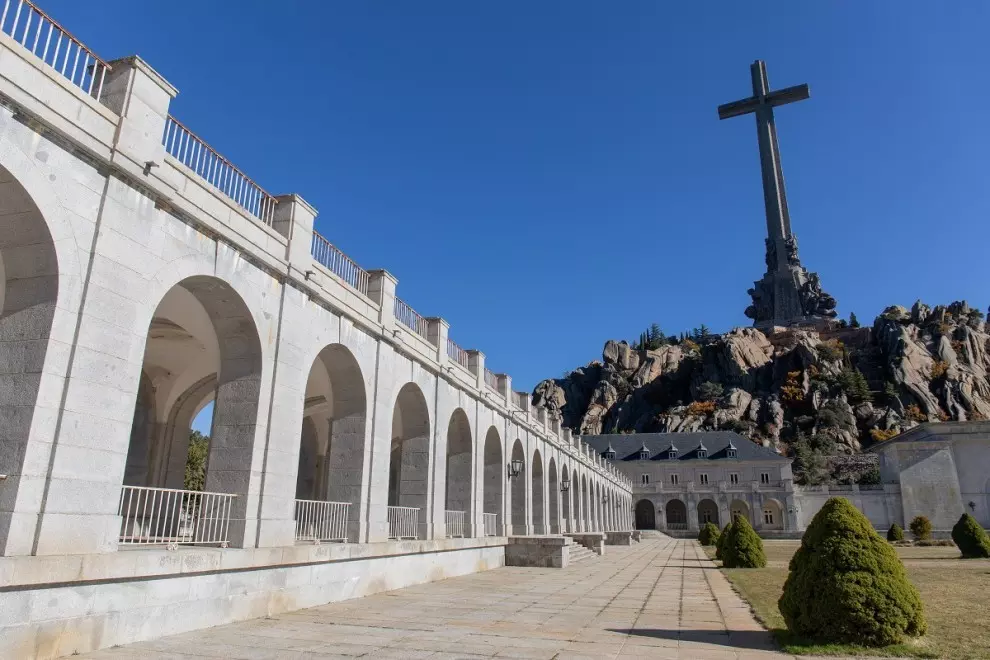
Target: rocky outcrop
847,388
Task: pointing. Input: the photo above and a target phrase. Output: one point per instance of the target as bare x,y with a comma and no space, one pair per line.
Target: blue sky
549,175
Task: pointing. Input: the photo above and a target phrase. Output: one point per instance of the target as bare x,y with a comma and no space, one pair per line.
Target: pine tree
853,321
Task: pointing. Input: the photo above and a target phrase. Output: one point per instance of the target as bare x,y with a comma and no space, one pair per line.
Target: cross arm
736,108
789,95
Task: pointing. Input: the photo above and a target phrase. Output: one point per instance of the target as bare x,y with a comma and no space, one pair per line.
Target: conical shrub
709,534
847,585
895,533
970,537
743,548
722,538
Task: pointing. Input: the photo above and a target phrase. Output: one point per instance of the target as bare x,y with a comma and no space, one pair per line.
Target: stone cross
761,104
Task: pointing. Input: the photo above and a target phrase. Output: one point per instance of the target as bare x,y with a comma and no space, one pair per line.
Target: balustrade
319,521
408,317
457,354
403,522
456,522
339,263
491,380
166,516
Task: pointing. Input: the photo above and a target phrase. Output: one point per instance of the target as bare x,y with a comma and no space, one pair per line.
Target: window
734,479
644,455
672,454
764,478
644,479
768,516
610,454
704,479
673,479
702,453
731,452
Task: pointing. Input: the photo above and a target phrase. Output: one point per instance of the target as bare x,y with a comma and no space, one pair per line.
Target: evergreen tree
895,533
709,534
853,321
970,538
855,385
199,449
743,548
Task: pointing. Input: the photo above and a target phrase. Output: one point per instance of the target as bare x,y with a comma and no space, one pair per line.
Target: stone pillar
505,388
476,364
293,218
141,97
381,289
437,331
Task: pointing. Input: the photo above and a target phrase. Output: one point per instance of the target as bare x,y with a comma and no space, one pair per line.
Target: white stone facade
135,289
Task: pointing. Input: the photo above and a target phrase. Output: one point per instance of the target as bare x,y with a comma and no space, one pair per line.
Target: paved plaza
661,598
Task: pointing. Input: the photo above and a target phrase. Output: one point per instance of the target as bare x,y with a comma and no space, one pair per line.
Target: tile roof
627,446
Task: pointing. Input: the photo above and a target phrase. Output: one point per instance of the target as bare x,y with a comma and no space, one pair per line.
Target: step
579,553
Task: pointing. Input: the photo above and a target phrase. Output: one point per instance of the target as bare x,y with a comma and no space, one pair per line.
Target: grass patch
953,590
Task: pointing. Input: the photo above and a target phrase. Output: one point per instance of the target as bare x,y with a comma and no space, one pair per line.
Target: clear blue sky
549,175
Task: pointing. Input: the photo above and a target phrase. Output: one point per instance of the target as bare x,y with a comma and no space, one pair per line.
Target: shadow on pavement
739,639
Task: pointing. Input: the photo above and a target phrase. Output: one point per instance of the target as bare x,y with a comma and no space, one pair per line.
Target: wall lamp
515,467
565,484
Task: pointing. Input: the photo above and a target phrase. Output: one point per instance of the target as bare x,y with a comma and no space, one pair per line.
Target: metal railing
408,317
319,521
457,354
403,522
491,379
44,37
166,516
190,150
677,526
491,523
456,522
339,263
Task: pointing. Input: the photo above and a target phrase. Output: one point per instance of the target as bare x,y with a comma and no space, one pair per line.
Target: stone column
437,331
381,289
476,364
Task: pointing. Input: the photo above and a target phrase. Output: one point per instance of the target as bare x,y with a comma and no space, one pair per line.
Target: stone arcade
141,277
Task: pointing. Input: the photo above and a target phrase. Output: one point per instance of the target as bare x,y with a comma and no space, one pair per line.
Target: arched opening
409,465
202,346
646,517
585,504
707,512
492,483
518,491
459,487
553,494
29,288
539,521
329,483
740,508
773,518
676,513
565,497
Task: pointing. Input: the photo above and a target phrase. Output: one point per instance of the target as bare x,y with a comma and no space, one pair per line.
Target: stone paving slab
661,598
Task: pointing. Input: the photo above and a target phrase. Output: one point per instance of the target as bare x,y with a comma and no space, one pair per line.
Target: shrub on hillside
847,585
921,528
701,408
970,537
722,538
709,534
743,548
895,533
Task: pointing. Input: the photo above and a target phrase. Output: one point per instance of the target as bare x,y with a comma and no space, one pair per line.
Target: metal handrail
408,317
339,263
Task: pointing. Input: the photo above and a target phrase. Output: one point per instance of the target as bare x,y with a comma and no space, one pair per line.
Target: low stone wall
538,551
57,606
594,541
618,538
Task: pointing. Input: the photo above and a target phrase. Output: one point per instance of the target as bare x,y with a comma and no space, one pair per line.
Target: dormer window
609,454
702,452
644,455
671,454
731,452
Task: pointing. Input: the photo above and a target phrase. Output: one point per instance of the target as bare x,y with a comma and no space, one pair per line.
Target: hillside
812,394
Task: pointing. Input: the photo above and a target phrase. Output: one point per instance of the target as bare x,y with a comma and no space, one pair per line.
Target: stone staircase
579,553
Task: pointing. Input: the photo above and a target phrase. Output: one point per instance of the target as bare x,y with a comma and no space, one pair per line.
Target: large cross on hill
761,104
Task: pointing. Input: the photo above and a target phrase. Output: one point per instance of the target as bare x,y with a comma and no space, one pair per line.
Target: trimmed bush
895,533
722,538
847,585
970,538
921,527
743,548
709,534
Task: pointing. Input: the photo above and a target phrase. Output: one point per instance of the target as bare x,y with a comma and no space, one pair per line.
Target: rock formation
836,390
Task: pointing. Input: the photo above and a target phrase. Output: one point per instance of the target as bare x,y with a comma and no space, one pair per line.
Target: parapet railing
339,263
403,522
320,521
190,150
456,523
457,354
491,380
491,523
87,74
166,516
408,317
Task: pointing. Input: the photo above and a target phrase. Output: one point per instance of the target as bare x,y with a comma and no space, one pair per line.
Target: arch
585,505
740,508
493,479
772,515
708,512
409,459
676,514
518,490
459,489
536,476
29,295
646,517
565,496
201,332
553,491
